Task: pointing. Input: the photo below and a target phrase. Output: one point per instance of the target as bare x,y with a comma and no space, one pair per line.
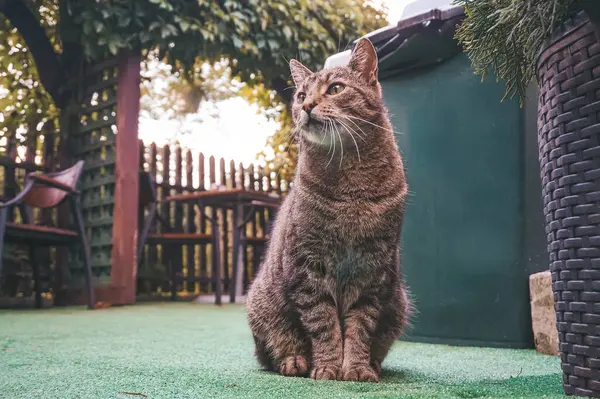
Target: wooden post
123,274
152,259
203,253
222,217
176,256
242,174
232,174
190,225
213,212
165,211
141,210
267,173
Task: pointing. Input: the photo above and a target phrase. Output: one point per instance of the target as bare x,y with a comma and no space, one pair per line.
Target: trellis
104,134
95,142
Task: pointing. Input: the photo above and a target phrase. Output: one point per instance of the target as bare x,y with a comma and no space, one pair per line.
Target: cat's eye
301,97
335,88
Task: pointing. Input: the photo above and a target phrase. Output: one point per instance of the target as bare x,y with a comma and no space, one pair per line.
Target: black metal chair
258,244
48,191
169,238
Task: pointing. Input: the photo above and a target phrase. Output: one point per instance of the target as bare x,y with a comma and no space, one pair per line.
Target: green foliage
505,36
23,102
308,30
256,34
281,153
246,45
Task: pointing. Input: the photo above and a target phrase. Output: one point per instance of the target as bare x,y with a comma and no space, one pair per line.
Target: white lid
339,59
422,6
417,7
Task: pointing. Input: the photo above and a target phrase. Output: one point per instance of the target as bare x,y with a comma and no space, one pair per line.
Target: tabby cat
329,298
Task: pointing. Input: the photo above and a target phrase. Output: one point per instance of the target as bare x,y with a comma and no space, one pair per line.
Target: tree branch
46,60
324,24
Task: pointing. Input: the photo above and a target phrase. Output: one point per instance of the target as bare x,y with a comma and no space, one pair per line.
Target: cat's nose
308,107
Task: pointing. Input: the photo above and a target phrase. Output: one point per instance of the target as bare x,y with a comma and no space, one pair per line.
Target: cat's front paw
293,366
327,372
376,366
362,373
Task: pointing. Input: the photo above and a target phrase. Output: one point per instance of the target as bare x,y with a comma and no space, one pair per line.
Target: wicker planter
569,145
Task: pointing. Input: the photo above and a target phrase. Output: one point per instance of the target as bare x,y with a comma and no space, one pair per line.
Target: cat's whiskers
370,123
333,153
323,139
353,139
338,119
291,132
326,135
342,117
341,143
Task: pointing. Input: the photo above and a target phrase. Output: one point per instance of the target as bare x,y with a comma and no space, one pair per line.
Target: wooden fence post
190,225
125,228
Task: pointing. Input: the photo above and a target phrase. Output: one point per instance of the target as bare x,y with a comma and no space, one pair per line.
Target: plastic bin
473,230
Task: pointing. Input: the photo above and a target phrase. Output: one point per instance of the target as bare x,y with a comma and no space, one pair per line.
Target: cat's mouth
316,131
311,121
315,123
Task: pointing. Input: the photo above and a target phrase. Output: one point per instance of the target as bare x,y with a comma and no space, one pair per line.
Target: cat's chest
347,267
349,220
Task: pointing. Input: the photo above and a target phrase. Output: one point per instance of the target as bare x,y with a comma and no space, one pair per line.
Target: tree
504,37
253,37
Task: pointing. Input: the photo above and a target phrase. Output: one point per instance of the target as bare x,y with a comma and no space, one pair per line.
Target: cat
329,299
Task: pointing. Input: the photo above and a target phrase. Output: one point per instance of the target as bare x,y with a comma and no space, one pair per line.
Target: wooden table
236,200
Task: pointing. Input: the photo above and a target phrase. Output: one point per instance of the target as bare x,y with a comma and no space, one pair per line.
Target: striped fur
329,299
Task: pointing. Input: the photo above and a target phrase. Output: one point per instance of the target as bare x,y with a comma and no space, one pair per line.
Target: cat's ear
299,72
364,60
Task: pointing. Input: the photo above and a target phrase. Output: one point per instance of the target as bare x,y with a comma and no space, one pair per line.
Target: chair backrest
42,196
147,189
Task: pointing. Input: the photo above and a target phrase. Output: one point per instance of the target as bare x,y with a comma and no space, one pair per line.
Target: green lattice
94,141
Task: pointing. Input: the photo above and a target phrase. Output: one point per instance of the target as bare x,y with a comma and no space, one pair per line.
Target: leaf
113,47
114,50
184,25
124,21
134,394
273,44
287,31
237,42
87,29
98,26
144,37
154,26
168,30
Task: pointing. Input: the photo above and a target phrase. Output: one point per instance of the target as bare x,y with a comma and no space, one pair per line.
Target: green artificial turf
201,351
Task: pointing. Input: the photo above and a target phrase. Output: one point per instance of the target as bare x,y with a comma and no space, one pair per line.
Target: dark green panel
464,252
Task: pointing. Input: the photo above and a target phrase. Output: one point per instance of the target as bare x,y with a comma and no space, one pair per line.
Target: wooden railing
176,170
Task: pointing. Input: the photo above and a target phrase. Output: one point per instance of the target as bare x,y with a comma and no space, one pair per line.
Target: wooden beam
123,275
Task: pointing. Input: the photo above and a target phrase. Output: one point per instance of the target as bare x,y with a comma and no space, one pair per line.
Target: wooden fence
177,171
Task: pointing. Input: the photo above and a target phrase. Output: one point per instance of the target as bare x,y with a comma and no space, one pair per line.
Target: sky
239,133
